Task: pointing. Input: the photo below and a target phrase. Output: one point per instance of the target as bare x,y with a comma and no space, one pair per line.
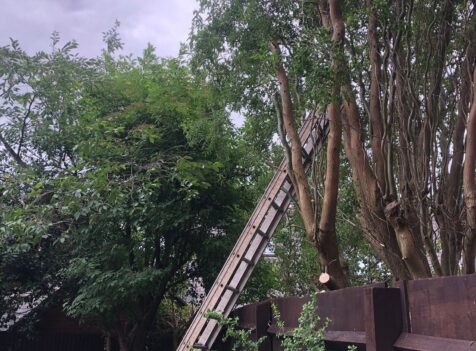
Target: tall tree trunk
449,217
323,237
469,184
108,343
301,183
406,215
377,129
372,217
326,237
123,345
378,232
139,334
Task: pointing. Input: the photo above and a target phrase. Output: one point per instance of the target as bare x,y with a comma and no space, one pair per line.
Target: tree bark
469,184
123,346
327,280
326,237
372,217
302,185
323,237
108,343
449,216
406,242
376,122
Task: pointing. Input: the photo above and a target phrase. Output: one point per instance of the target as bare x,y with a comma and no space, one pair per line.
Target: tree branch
12,152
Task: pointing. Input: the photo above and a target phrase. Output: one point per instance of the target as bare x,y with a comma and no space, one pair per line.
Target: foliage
310,332
263,282
241,338
297,264
234,37
115,205
39,97
172,318
38,105
160,173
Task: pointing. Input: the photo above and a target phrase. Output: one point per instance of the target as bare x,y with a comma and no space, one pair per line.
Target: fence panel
436,314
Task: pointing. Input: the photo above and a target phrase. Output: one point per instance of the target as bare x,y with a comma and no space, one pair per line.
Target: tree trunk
406,242
449,217
301,185
372,217
123,346
469,184
325,237
378,232
377,141
108,343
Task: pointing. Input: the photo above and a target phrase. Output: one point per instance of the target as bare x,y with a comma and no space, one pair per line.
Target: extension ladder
252,242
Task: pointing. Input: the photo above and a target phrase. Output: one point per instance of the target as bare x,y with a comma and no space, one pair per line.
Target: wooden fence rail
436,314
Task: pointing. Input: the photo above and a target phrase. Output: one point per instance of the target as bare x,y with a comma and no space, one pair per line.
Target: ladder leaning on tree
252,242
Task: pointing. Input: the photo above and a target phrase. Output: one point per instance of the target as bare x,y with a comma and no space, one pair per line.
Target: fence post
402,285
383,318
263,319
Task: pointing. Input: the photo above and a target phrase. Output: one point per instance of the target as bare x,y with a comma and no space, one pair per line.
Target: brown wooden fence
423,315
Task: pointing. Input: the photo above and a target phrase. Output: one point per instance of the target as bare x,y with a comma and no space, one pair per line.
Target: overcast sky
163,23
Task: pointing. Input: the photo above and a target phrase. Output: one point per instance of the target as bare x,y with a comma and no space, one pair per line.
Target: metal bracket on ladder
252,242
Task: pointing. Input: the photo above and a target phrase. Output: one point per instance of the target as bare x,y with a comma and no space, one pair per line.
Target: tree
113,208
171,193
39,94
396,77
39,110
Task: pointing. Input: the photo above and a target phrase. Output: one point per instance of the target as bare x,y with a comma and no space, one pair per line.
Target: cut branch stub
326,280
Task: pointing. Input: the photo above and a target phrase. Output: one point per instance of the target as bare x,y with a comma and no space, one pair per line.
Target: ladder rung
261,233
200,346
250,262
276,206
235,290
286,185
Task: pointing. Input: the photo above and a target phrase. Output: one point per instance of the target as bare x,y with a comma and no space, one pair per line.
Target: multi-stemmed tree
395,79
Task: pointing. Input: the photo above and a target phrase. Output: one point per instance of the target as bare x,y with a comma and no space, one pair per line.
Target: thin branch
23,128
12,152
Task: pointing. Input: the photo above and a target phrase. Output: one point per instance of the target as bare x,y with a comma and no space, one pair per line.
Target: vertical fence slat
383,318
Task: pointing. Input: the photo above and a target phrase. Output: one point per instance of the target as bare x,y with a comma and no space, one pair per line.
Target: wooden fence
436,314
53,332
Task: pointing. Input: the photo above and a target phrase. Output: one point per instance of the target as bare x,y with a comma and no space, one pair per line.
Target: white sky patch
237,119
165,24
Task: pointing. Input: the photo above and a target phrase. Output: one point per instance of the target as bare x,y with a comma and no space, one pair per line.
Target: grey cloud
163,23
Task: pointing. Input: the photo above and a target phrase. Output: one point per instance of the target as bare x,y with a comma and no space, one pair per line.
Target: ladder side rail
210,306
227,271
206,341
239,250
199,320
